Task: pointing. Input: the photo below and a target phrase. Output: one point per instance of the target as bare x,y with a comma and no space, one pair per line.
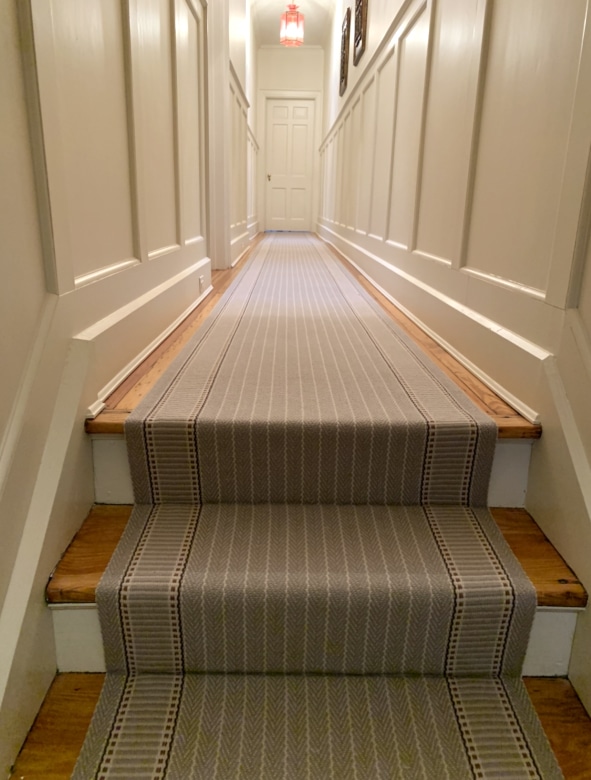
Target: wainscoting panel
413,48
84,114
239,167
531,74
251,191
449,129
447,159
155,131
122,114
366,156
381,180
190,67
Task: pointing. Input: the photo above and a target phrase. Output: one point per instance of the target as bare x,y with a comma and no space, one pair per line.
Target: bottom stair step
315,727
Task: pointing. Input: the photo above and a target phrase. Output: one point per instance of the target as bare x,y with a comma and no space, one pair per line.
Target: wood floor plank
77,574
555,582
126,397
566,723
54,742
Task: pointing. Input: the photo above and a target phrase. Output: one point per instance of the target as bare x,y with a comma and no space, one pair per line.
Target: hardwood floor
55,740
126,397
53,744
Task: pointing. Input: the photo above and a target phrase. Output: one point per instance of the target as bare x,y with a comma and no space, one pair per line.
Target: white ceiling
265,15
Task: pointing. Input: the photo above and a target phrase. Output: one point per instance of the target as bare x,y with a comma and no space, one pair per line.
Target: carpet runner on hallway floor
310,585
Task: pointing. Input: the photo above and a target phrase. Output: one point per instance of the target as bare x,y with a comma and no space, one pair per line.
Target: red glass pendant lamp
291,31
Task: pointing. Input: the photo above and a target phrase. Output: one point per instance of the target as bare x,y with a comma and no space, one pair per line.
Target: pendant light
291,31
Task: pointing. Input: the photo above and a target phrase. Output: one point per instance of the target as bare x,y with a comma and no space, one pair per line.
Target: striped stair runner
310,585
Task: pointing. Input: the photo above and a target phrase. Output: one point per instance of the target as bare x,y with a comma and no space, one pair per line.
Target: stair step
82,565
71,590
54,742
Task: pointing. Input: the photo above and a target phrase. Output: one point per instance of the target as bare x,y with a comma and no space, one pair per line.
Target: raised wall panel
354,158
367,142
235,159
190,140
340,158
407,134
346,192
331,180
326,205
155,130
83,103
386,98
528,100
448,129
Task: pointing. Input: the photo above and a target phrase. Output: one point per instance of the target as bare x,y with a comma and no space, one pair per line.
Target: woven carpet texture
310,585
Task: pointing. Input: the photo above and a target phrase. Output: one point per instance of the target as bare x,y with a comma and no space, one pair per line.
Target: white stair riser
79,645
508,484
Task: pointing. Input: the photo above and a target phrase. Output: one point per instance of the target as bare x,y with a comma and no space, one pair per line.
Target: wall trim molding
102,273
63,419
500,281
16,418
581,338
106,391
122,317
572,435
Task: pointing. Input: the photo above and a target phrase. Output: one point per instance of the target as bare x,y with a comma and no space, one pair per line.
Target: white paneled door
290,163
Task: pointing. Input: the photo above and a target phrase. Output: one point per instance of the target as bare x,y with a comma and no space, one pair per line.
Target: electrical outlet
201,283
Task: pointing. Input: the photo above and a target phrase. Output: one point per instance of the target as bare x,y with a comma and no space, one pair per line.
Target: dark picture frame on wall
360,29
345,52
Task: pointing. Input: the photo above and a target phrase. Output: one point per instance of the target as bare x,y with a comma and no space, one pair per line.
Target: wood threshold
124,399
79,571
54,742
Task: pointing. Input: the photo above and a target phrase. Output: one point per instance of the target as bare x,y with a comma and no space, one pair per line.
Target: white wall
454,176
104,241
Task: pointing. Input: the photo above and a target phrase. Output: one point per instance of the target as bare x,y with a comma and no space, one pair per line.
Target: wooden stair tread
77,574
54,742
510,424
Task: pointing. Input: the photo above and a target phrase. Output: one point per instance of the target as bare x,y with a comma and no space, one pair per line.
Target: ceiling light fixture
291,31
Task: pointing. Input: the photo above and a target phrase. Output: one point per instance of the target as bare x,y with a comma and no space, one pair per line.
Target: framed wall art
360,29
345,52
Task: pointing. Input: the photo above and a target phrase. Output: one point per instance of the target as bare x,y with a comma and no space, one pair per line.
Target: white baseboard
121,340
106,391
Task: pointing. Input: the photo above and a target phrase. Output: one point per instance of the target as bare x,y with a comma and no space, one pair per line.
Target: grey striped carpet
310,585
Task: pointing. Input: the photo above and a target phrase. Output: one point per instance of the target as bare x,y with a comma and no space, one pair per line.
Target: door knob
268,177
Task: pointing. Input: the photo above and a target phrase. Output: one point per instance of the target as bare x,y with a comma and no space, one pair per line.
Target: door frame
264,96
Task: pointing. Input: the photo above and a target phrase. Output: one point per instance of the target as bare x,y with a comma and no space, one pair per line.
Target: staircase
71,595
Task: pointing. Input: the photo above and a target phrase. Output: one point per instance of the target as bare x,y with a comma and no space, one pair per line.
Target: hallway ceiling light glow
291,31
